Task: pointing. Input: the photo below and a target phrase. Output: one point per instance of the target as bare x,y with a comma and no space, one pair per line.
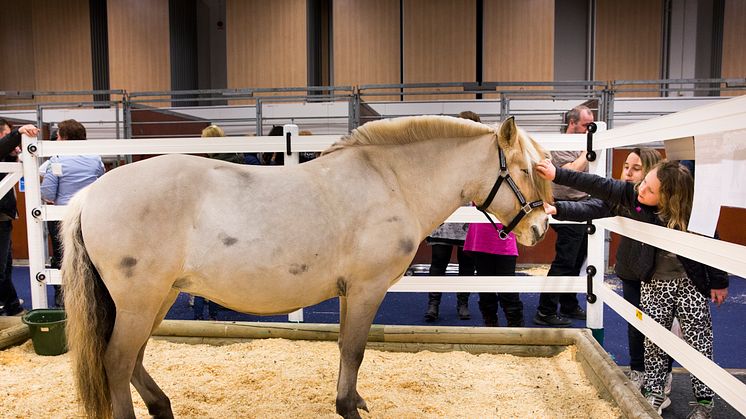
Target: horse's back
146,207
208,226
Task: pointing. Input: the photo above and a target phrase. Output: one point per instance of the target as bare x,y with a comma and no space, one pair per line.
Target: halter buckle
527,208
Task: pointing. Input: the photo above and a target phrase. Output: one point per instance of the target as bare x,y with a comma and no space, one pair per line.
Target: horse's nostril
537,233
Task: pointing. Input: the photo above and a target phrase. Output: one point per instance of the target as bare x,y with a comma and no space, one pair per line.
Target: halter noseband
526,207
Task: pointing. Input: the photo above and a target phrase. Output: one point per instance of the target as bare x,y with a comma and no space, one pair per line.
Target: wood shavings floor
283,378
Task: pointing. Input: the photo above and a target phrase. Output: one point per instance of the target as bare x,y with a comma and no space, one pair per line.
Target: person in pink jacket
493,256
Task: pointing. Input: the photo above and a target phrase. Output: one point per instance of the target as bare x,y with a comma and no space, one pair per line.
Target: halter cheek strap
526,207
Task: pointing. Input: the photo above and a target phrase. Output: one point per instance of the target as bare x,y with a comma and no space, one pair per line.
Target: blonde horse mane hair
422,128
411,130
536,153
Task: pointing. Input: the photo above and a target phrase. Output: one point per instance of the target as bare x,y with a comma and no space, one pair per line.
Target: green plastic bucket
47,329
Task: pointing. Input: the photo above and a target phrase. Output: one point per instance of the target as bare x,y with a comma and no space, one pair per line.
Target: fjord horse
266,240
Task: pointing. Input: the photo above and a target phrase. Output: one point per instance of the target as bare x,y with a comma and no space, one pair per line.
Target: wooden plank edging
14,335
601,368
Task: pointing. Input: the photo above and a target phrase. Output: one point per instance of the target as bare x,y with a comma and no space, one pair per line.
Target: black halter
526,207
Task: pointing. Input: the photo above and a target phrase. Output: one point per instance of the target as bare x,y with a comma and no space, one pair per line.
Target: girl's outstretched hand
29,130
550,209
546,169
718,296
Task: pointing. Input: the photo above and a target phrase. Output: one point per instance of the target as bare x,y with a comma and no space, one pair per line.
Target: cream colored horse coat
269,240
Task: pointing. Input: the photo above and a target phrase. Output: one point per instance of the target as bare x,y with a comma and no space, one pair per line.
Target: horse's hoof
361,404
161,410
349,412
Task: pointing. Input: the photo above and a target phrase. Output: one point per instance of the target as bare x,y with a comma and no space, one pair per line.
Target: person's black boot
433,306
516,322
490,319
515,318
432,312
14,309
462,307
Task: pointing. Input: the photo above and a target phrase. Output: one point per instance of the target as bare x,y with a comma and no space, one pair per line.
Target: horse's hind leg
357,311
135,317
159,406
131,331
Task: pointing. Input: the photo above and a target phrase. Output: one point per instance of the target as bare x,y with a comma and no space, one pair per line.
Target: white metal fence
712,118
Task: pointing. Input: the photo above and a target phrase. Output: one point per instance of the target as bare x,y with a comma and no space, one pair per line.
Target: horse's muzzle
537,233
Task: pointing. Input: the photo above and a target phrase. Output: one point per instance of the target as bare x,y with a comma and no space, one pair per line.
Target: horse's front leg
357,310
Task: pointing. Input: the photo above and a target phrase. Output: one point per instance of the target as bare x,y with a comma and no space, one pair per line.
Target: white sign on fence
720,178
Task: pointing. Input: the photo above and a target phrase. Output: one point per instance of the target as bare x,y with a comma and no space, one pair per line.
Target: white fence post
34,223
596,259
292,160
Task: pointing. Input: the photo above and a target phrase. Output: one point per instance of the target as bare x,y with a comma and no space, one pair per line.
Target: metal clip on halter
590,154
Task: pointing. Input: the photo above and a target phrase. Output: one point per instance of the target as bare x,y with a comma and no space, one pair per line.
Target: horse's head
520,192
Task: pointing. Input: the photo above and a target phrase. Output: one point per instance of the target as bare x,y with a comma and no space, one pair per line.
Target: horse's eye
524,171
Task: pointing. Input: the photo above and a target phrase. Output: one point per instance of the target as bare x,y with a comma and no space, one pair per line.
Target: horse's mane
537,152
422,128
411,130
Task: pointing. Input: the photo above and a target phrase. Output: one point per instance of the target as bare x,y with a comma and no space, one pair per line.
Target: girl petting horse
272,240
673,286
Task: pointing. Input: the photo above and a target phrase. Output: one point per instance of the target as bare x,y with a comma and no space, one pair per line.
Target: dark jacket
237,158
620,198
7,145
629,250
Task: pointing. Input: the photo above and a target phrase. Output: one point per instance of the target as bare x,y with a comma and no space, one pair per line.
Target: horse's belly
263,296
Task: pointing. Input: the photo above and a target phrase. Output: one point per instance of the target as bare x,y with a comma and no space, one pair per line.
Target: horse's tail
90,314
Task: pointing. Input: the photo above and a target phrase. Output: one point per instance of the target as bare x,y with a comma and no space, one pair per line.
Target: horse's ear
508,132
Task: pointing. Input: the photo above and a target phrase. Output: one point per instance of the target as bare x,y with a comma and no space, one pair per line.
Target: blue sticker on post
22,185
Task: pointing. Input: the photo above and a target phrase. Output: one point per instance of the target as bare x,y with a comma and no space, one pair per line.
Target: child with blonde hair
673,286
